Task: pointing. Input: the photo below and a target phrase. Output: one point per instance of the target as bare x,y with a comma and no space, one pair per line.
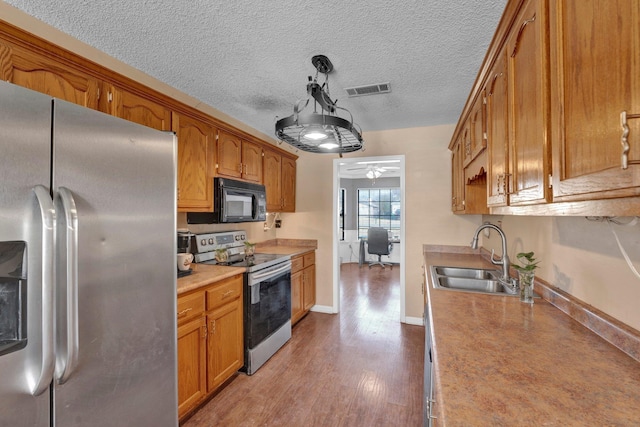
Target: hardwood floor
361,367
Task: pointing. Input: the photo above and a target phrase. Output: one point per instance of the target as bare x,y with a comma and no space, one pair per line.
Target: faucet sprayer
504,260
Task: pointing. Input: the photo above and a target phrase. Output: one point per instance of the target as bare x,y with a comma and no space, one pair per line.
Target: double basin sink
478,280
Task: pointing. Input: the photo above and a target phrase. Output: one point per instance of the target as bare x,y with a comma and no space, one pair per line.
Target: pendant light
322,130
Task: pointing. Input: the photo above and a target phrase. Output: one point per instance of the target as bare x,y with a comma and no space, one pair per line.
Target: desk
362,249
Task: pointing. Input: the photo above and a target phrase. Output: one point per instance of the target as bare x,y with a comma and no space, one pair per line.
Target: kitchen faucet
511,284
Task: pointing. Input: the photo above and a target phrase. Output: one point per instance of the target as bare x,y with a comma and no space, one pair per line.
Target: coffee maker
184,241
184,246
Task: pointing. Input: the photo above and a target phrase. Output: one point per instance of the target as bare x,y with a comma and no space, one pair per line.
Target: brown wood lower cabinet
210,340
192,351
303,285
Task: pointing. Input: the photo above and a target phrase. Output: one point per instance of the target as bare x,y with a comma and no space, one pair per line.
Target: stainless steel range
267,293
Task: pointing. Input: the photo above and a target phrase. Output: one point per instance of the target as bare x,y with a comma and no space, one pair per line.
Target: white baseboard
414,321
322,309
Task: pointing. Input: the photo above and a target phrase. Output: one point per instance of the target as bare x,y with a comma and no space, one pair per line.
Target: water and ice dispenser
13,296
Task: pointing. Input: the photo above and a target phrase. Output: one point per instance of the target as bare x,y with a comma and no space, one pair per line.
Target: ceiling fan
373,170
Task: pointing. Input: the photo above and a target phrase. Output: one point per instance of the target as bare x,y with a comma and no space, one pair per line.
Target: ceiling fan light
370,174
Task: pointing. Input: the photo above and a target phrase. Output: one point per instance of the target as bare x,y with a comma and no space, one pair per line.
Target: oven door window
271,310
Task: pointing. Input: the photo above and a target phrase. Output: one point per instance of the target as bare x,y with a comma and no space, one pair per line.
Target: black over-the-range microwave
233,201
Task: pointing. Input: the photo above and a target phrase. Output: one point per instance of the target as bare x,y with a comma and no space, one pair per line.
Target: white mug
184,261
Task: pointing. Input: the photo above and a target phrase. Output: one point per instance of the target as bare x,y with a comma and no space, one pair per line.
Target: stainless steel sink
475,285
478,280
472,273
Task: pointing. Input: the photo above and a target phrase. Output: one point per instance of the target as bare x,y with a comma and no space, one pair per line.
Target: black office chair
378,244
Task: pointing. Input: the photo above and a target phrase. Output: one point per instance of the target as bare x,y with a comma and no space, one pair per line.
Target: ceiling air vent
368,89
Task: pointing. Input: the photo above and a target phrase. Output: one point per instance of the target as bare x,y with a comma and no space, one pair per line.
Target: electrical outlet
266,227
278,223
487,231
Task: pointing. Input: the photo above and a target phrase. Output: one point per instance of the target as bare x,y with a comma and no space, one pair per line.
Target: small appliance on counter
184,256
267,292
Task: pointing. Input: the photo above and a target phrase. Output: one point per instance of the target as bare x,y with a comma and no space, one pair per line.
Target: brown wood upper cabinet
476,140
196,141
288,184
457,176
135,108
516,95
46,75
497,133
238,158
280,181
562,109
37,64
595,46
527,74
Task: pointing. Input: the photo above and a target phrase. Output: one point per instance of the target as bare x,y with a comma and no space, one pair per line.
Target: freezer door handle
66,363
40,382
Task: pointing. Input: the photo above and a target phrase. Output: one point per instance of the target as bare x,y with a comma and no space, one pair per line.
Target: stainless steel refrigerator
87,267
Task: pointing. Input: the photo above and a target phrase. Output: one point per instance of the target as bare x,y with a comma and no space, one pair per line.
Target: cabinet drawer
224,291
309,259
190,306
297,263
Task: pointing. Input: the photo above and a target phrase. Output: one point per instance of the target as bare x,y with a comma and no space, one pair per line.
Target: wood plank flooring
361,367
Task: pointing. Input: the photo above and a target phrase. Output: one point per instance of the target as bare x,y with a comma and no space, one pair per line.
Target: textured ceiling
251,58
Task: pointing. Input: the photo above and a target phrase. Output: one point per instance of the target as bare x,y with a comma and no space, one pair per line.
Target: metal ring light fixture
323,131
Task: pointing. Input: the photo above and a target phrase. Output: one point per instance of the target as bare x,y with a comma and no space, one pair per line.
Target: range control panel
205,244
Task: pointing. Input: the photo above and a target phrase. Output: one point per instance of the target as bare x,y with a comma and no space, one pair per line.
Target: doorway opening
368,191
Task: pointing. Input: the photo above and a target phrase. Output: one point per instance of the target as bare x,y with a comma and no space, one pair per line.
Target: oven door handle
260,276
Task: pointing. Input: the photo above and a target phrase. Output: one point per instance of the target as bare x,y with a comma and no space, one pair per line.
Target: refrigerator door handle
64,368
42,380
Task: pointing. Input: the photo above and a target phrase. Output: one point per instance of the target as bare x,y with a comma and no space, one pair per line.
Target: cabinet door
457,177
273,180
195,163
251,162
225,344
595,46
45,75
135,108
297,303
288,184
229,155
192,353
475,141
309,287
497,134
528,79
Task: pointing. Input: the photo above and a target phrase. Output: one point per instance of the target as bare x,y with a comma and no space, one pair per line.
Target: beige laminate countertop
284,250
204,274
499,362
